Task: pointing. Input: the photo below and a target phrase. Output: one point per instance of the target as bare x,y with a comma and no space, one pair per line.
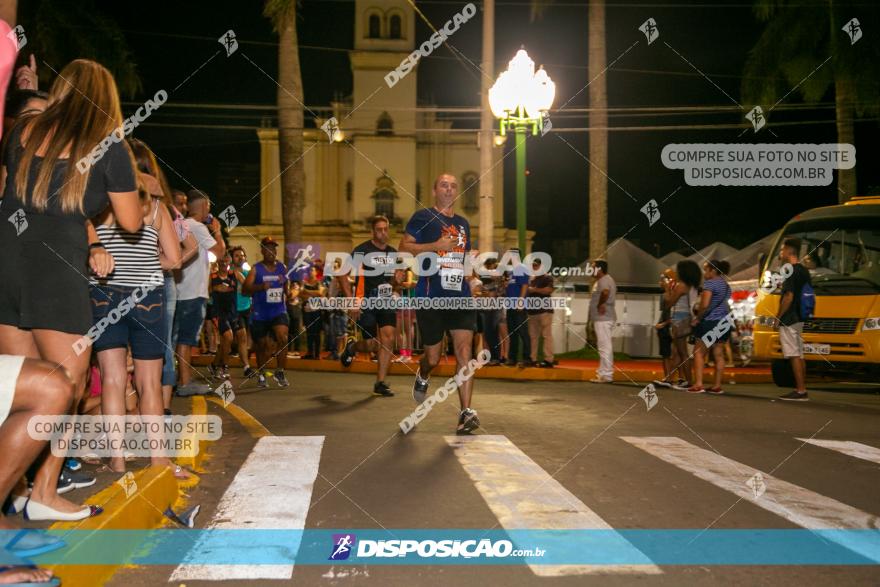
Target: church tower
383,119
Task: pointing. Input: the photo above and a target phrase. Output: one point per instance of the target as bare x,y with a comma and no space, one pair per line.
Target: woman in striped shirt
128,311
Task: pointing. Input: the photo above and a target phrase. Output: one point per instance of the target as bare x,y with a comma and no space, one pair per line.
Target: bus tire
783,376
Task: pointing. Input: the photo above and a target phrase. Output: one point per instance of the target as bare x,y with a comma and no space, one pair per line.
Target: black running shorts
433,323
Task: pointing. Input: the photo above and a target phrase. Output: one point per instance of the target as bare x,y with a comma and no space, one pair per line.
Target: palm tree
597,122
290,118
794,51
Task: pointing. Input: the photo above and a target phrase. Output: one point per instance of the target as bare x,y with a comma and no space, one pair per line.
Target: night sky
169,40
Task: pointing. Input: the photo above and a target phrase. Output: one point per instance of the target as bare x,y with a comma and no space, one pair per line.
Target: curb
157,489
640,374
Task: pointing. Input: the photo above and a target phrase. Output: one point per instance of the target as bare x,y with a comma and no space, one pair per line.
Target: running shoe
280,379
73,464
77,480
467,421
715,391
193,388
348,353
261,381
662,383
681,385
249,372
696,389
545,365
213,371
224,373
381,388
795,396
420,389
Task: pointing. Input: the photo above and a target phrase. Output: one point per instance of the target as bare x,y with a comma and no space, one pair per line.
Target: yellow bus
841,249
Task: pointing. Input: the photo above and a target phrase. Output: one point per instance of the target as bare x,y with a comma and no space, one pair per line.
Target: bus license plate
817,349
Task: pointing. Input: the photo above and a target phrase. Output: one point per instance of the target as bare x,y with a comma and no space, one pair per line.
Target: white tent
746,259
670,259
628,265
717,250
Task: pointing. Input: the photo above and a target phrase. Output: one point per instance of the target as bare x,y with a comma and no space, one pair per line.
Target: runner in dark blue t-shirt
445,236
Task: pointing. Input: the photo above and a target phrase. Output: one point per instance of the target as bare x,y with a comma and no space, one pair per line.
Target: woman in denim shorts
128,312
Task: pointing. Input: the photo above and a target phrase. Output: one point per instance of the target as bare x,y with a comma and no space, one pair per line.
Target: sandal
29,571
30,543
91,459
105,468
179,472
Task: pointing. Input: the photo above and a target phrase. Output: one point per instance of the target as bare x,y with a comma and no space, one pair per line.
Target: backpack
807,303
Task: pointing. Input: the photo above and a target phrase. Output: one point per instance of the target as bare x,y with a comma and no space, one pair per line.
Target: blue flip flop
30,543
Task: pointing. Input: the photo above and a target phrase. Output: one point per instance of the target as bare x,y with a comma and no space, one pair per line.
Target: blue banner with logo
461,547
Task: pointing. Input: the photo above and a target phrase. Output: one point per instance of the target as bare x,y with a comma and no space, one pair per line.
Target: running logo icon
128,484
302,258
331,127
649,394
854,30
229,42
649,28
756,484
18,37
230,217
652,211
19,221
342,546
756,117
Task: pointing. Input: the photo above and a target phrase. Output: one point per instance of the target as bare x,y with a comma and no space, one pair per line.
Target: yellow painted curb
194,462
157,489
253,426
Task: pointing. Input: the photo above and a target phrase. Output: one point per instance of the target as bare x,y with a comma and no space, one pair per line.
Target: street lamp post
519,99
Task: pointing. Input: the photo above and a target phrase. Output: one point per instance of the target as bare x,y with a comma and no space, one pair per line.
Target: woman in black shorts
61,168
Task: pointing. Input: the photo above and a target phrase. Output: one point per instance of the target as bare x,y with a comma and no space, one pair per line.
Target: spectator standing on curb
541,320
664,338
791,317
603,316
713,308
681,297
192,289
517,318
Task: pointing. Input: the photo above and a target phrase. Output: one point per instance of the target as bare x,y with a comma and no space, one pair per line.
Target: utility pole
487,138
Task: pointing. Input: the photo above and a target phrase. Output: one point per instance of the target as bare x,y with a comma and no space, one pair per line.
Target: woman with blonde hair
157,184
61,167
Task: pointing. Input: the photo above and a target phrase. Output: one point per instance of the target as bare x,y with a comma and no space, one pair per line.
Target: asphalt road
598,447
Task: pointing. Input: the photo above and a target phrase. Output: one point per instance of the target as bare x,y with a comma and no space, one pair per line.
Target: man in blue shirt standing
445,238
518,319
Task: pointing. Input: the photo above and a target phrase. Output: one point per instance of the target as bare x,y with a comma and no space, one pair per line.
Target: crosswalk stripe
522,495
267,493
794,503
853,449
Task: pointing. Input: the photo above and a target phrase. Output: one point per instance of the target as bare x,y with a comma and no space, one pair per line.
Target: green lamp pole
519,99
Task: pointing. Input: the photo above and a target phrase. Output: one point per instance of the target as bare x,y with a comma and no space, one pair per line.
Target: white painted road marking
798,505
853,449
522,495
271,491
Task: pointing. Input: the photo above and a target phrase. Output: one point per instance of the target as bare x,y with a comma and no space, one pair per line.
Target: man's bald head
445,190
